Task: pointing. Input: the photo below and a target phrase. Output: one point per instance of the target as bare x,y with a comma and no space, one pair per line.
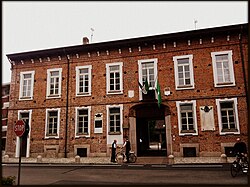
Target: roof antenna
92,33
195,22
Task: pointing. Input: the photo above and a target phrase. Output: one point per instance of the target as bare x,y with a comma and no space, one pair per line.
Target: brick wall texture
204,93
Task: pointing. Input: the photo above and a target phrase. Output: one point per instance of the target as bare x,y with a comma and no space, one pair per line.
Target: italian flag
145,87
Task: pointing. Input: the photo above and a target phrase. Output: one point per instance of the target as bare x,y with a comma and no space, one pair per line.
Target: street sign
19,128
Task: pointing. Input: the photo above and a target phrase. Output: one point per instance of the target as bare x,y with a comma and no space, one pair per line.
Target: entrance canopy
149,110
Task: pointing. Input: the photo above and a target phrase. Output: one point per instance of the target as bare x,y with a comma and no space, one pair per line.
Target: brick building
78,99
5,106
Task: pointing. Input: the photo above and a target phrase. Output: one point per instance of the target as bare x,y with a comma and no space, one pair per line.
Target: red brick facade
5,106
199,43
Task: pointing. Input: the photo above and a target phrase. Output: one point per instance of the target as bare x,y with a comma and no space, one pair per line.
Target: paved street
123,175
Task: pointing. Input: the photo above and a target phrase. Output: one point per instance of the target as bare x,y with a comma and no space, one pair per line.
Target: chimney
85,40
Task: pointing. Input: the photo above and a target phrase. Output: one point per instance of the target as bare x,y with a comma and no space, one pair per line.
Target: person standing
127,148
113,151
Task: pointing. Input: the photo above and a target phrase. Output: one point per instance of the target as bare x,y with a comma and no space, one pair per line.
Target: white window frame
183,87
231,68
49,96
193,102
21,97
120,64
140,62
78,68
58,122
76,121
237,126
28,137
121,119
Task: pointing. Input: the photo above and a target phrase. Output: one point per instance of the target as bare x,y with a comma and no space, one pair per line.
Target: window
82,126
114,119
228,116
114,78
52,123
26,85
184,78
54,78
147,71
223,68
83,80
187,121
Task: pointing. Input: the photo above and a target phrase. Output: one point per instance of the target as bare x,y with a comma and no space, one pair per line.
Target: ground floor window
82,126
228,115
114,119
187,121
52,123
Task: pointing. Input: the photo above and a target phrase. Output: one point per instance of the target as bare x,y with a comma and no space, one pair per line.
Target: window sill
115,133
185,87
82,136
53,97
25,98
114,92
229,130
188,133
83,94
224,84
51,137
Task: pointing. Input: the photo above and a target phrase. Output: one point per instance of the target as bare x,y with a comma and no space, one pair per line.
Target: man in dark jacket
127,148
113,151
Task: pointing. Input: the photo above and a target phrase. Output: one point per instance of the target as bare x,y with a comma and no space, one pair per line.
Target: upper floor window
147,72
184,77
26,85
52,123
114,78
187,121
228,116
83,80
114,119
82,126
223,68
54,79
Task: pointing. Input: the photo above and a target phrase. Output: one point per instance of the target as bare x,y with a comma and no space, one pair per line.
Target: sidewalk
106,160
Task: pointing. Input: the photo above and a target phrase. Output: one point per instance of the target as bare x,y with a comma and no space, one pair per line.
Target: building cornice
77,49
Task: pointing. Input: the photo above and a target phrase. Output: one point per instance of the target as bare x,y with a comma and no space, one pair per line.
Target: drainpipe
243,68
67,106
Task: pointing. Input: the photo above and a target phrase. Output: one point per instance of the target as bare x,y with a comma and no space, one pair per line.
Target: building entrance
150,129
151,137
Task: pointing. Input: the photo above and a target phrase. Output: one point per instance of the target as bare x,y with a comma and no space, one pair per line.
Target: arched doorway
150,129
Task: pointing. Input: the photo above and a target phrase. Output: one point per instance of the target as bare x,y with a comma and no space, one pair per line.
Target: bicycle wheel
235,168
119,154
132,157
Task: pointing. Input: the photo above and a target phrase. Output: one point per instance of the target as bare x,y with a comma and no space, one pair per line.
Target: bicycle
240,164
132,156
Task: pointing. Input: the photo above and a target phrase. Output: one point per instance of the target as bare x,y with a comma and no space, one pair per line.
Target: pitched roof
129,42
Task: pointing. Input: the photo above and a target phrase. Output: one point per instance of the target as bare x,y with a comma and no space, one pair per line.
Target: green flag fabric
146,85
158,92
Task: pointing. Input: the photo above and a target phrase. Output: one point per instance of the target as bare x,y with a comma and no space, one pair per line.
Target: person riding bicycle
127,147
240,148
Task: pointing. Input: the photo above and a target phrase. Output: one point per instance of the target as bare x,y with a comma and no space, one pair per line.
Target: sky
29,26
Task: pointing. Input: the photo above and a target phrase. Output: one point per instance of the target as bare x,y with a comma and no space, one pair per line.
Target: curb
125,165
